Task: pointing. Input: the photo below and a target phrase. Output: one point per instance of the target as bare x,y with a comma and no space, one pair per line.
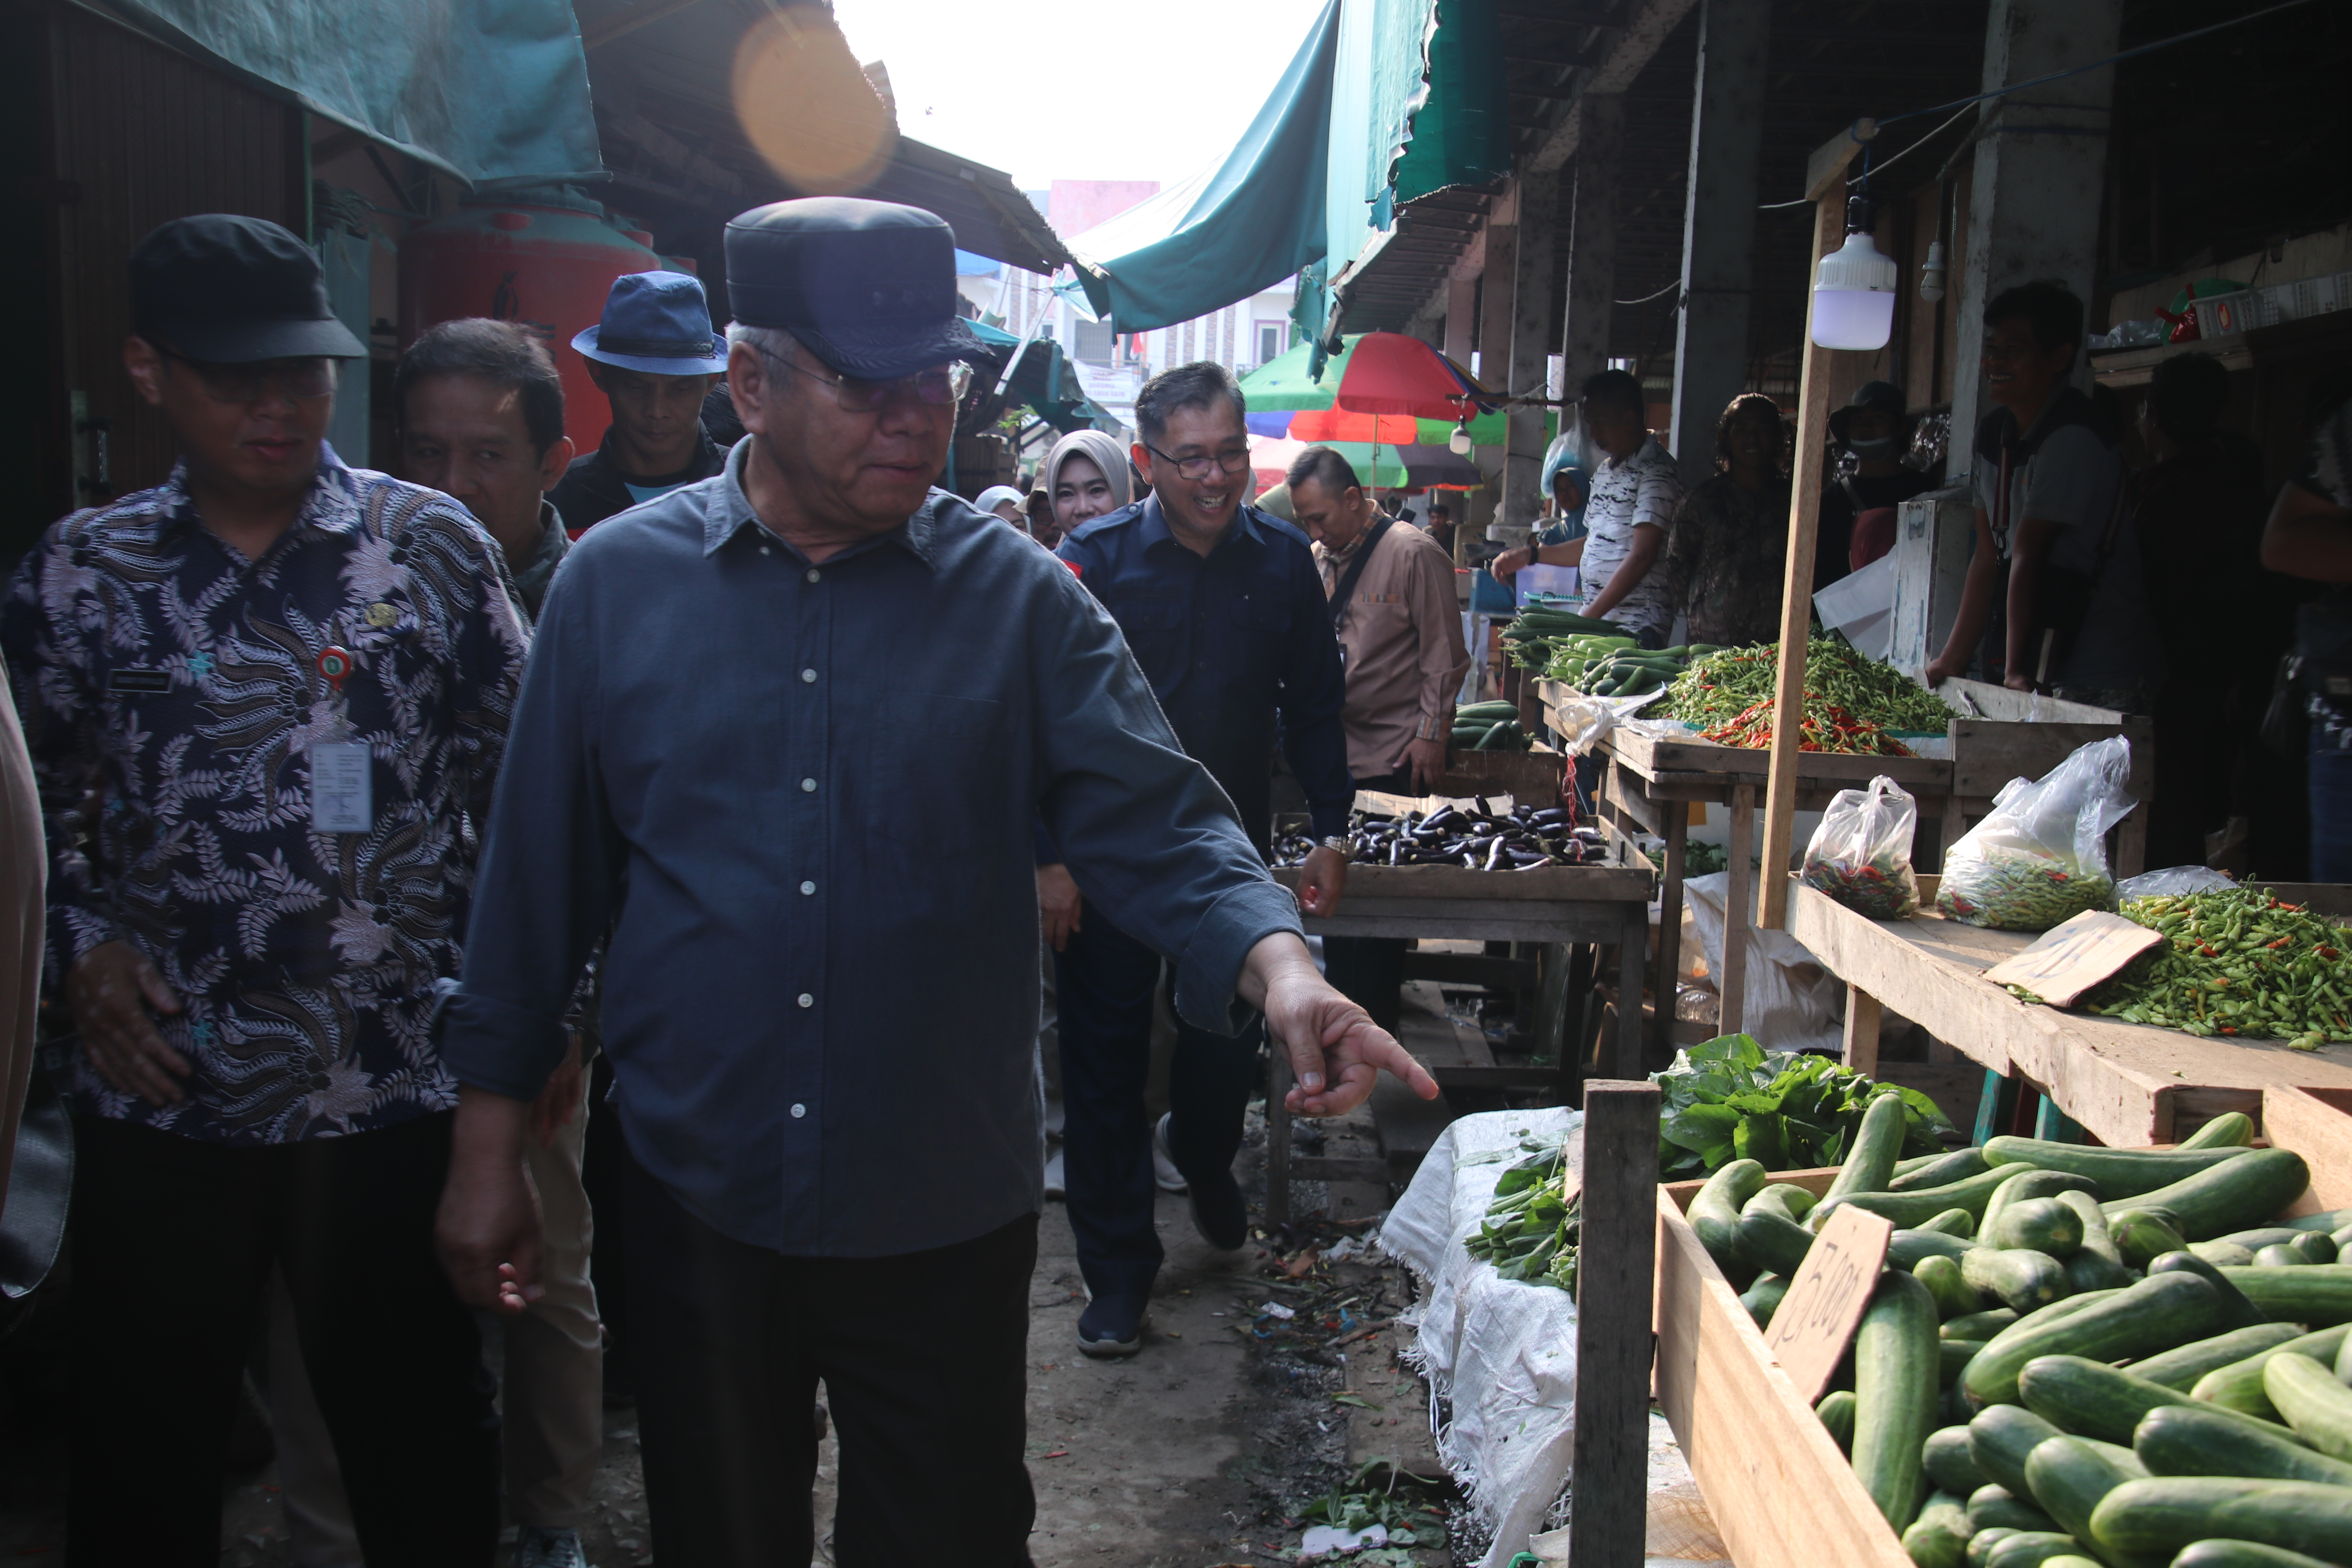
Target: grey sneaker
1163,1163
538,1548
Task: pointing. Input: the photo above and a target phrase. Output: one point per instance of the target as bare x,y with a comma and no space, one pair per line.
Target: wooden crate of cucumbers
2125,1358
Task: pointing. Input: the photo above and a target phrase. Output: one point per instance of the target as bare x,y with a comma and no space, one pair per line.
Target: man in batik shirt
263,700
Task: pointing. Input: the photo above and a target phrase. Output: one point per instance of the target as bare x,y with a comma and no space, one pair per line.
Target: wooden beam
628,19
1609,1505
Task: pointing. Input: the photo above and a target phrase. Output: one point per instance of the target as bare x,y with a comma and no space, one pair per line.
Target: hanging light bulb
1853,293
1935,272
1459,442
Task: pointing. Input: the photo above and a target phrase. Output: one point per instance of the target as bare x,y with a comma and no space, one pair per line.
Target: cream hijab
1097,447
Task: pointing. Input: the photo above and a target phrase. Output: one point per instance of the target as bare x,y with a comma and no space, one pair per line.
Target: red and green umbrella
1380,388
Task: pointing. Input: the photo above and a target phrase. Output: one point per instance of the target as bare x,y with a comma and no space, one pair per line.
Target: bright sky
1048,89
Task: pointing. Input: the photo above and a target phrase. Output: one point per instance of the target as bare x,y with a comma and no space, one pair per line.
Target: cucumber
2032,1549
2072,1562
2225,1253
2316,1293
2179,1369
1997,1508
2028,1183
1836,1411
1906,1248
2142,1236
1937,1170
2315,1248
1957,1223
2238,1386
1715,1208
2096,1237
1982,1325
1982,1541
2231,1129
2237,1312
1763,1297
1911,1207
2196,1439
2165,1513
1769,1239
2231,1195
2088,1270
1955,1297
2154,1314
2318,1407
1895,1390
1877,1144
2070,1476
2274,1256
2241,1554
1999,1440
1939,1538
1953,1358
2119,1173
2328,1221
1791,1204
2262,1236
1945,1460
2093,1399
2035,1224
2022,1279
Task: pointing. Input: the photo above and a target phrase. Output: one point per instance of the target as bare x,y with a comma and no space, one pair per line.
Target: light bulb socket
1935,273
1860,216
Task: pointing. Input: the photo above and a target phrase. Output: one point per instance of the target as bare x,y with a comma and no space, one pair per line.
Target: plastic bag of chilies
2040,857
1860,854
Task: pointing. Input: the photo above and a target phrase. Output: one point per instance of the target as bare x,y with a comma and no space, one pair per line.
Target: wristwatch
1345,847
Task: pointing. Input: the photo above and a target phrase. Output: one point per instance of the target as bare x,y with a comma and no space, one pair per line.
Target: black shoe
1219,1213
1112,1325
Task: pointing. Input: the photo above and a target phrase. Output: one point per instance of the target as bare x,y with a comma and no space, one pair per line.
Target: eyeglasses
937,387
301,379
1202,468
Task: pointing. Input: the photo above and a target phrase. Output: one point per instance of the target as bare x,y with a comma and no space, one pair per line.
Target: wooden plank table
1600,903
1995,735
2129,1085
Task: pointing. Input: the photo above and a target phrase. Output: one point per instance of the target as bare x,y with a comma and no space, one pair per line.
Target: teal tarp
1247,223
1461,132
492,91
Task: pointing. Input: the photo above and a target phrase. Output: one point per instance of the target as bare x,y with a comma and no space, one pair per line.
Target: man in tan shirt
1399,625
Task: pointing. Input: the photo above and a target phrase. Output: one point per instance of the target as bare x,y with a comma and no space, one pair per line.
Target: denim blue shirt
1235,642
802,795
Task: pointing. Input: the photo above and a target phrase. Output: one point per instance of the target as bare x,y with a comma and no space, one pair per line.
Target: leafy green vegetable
1732,1099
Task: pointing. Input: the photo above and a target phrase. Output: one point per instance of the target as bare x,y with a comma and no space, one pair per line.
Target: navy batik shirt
816,783
173,686
1236,643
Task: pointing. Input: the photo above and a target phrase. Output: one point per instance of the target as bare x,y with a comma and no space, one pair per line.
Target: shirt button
807,888
808,678
813,574
807,1000
808,787
765,551
799,1112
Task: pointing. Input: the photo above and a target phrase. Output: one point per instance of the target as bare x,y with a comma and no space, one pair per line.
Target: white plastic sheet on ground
1792,1003
1501,1354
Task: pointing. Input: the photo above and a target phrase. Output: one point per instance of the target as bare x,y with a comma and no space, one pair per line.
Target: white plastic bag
2172,880
2041,858
1860,854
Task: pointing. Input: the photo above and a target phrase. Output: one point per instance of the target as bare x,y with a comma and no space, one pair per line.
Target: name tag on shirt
340,792
138,680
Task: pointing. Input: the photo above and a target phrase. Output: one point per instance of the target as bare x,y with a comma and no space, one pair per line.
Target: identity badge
342,797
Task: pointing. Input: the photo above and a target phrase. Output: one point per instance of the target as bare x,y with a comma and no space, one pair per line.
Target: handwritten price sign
1824,1304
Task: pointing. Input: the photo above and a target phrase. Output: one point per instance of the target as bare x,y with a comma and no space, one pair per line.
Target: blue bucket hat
659,323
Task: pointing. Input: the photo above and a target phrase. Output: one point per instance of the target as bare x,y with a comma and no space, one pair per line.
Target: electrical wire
1661,294
1964,104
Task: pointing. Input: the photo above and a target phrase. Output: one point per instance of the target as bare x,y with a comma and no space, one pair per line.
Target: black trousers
922,1360
1370,970
1103,982
173,1240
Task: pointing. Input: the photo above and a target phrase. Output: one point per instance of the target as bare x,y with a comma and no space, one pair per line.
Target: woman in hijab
1085,476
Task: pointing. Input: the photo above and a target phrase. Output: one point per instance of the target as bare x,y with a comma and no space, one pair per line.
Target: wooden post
1739,886
1862,1012
1278,1136
1609,1505
1825,182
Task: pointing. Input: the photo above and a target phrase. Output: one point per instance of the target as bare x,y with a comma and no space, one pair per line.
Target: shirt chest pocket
937,779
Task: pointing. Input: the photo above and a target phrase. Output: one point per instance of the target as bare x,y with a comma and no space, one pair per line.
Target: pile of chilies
2237,961
1852,703
1826,727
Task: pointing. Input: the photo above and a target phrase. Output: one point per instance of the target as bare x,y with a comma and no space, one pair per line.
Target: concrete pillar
1498,288
1592,239
2041,173
1461,317
1530,345
1718,226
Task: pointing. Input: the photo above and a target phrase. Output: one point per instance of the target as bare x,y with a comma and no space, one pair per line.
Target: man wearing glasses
806,713
1227,614
264,700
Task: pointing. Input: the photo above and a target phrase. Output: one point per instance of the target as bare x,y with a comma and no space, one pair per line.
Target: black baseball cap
869,287
230,289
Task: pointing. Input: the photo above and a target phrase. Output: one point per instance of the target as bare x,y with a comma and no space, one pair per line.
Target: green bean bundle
2235,962
1532,1229
2013,890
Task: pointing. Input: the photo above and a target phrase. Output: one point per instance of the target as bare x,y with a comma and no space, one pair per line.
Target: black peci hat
1883,396
231,290
868,285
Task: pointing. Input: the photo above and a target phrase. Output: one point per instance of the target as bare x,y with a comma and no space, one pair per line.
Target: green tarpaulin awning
1460,132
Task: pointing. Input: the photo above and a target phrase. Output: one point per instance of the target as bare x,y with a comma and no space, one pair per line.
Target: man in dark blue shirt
807,715
1225,611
